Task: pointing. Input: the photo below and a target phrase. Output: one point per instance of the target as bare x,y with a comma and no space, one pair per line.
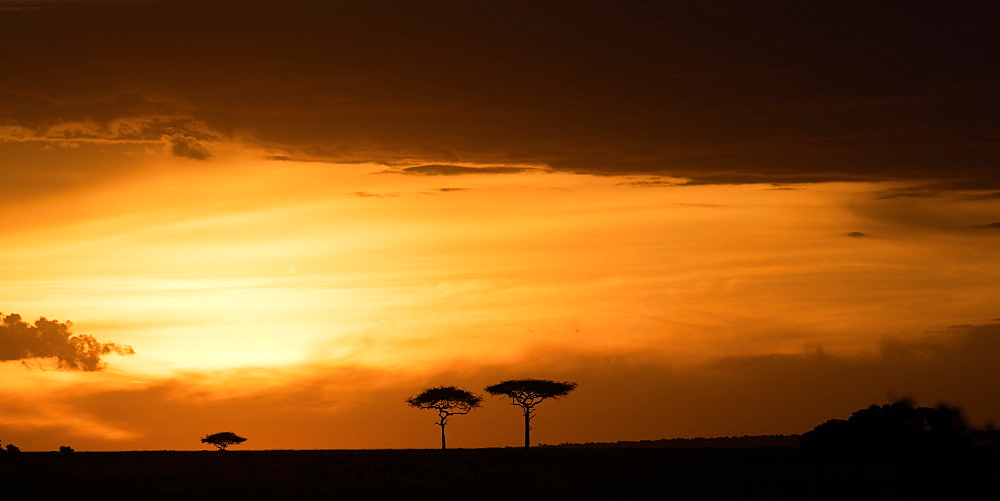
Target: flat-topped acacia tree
223,439
527,393
448,401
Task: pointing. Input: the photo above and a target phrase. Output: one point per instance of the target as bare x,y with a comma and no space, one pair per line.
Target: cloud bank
718,94
53,339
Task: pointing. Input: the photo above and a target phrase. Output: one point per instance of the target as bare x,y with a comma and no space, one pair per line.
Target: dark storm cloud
52,339
713,92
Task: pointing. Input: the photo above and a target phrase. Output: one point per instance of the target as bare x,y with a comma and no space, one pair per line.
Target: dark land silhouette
688,443
892,451
537,473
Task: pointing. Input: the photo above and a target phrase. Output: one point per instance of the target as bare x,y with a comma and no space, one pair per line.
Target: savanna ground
706,473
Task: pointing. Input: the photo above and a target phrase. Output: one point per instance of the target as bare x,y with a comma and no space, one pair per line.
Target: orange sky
293,257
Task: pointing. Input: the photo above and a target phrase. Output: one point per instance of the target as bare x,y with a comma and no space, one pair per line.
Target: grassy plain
705,473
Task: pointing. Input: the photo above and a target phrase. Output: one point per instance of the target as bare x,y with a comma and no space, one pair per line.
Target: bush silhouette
13,449
892,426
66,450
527,393
223,439
448,401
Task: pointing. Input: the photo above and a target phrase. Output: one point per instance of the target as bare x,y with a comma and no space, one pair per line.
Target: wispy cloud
186,147
365,194
459,170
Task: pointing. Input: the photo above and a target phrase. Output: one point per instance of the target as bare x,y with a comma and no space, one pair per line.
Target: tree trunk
527,429
443,444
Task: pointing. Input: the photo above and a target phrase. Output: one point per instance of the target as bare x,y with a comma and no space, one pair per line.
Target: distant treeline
690,443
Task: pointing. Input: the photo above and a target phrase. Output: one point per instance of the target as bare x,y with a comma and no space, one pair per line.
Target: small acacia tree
223,439
527,393
448,401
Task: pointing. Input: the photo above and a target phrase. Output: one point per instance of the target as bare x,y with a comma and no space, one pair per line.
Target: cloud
992,226
101,130
458,170
366,194
776,179
52,339
914,192
119,116
654,182
988,196
681,93
858,234
186,146
452,189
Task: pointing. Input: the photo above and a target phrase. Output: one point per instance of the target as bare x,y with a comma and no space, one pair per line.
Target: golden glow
294,269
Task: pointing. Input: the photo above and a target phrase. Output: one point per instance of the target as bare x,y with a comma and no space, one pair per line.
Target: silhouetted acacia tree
448,401
223,439
527,393
892,426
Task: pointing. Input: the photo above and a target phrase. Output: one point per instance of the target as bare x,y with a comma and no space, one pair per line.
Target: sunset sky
718,219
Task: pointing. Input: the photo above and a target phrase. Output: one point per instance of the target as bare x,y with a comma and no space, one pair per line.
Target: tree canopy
223,439
448,401
527,393
446,398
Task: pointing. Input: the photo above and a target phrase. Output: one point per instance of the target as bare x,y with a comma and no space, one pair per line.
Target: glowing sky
718,222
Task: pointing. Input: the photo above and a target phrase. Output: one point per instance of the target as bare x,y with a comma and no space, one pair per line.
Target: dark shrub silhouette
892,426
223,439
13,449
448,401
66,450
527,393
